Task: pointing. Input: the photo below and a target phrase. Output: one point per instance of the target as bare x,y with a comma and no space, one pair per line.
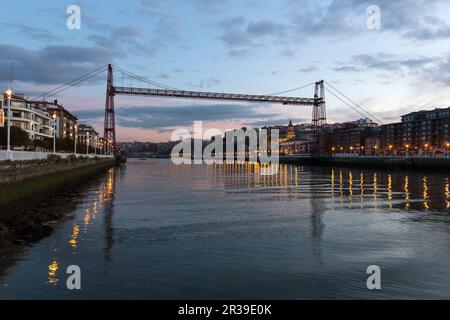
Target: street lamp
54,132
95,145
87,143
9,94
76,138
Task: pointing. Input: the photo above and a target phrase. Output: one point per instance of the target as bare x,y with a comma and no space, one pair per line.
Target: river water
153,230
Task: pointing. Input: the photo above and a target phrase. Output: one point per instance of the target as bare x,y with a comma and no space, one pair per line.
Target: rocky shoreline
33,224
31,218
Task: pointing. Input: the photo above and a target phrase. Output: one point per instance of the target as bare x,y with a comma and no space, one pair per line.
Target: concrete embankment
398,163
27,188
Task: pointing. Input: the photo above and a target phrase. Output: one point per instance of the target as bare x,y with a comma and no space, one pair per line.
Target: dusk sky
247,46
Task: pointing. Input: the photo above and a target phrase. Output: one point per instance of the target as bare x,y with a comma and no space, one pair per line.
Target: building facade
87,135
421,132
356,137
65,121
36,122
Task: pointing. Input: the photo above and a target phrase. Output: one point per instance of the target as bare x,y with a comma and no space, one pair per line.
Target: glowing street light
9,94
76,138
54,132
87,143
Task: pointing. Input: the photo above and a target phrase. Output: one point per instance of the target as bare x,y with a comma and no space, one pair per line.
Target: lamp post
95,145
54,132
9,94
76,138
87,143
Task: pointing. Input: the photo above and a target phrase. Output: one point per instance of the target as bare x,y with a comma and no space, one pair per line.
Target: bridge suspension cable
292,90
353,102
346,103
72,83
137,77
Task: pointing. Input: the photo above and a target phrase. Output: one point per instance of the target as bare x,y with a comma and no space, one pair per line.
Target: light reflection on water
155,230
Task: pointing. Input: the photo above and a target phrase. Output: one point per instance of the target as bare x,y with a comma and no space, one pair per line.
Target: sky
237,46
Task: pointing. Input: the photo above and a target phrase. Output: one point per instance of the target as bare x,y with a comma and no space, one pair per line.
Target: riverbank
28,188
373,162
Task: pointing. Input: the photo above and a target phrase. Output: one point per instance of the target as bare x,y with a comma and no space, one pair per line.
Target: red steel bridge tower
109,134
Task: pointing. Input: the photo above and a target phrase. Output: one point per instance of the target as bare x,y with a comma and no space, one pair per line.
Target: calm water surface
154,230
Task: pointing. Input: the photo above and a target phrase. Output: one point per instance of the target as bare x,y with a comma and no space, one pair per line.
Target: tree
19,137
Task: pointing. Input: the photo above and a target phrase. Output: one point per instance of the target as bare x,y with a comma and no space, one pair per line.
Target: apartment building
65,121
36,122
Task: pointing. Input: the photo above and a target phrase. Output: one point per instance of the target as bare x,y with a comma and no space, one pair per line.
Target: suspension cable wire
135,76
47,94
290,90
356,104
75,84
345,102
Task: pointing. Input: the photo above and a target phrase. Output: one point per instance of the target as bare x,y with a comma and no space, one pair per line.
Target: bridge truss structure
317,103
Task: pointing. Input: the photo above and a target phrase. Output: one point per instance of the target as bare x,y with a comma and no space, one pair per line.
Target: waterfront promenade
18,155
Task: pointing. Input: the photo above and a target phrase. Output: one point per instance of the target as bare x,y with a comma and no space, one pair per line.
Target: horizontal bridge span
215,96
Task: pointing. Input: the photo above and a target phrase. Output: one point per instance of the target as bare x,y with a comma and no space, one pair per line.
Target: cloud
242,36
164,119
32,32
52,64
414,20
388,63
206,83
434,69
274,122
163,76
410,19
122,39
308,69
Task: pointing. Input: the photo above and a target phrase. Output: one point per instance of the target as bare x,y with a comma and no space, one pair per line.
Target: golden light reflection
74,237
447,193
341,185
52,273
350,185
390,191
332,182
407,195
425,192
361,188
375,189
86,219
94,210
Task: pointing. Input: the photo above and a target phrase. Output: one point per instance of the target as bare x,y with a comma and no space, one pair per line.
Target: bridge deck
215,96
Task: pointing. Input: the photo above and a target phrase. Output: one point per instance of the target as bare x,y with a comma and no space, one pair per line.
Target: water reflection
104,200
391,190
74,237
52,273
108,201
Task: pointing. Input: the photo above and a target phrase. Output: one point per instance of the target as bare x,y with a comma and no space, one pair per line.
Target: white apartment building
36,122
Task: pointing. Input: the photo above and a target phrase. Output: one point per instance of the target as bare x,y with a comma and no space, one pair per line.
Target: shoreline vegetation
29,188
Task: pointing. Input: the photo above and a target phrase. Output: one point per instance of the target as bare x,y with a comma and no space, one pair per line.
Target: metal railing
19,155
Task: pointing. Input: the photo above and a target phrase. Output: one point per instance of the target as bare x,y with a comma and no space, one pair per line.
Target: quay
441,164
